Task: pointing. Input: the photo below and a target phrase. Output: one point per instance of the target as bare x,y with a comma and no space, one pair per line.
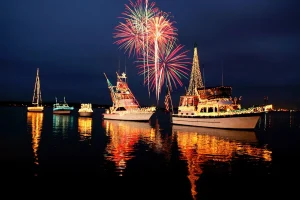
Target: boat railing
243,111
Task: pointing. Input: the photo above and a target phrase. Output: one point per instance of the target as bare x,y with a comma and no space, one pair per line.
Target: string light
196,78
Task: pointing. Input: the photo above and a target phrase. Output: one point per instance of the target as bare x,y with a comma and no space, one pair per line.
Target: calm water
160,159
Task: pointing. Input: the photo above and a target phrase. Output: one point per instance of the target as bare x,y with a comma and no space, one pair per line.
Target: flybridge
121,94
125,106
215,92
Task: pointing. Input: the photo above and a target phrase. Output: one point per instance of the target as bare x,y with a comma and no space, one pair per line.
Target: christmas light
196,78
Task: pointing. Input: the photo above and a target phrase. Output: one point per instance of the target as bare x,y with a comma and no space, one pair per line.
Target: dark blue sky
71,42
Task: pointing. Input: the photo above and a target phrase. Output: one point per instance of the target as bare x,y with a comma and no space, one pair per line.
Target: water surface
163,160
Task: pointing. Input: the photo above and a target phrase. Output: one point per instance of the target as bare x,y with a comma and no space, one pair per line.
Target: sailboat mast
39,93
36,92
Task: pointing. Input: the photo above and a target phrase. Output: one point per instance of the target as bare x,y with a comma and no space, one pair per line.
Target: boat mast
37,90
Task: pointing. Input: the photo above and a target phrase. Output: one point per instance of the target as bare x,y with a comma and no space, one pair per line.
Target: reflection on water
61,124
123,137
35,123
85,128
264,121
157,142
280,120
199,145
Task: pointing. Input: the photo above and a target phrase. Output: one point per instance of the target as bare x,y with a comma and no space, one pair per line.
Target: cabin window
222,109
190,101
210,109
203,110
182,101
121,109
235,107
196,101
216,109
126,96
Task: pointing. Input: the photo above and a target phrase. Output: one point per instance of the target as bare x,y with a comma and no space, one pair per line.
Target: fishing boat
37,96
85,110
125,106
213,107
62,108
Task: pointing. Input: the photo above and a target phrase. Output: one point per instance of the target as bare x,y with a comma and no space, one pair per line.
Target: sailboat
37,96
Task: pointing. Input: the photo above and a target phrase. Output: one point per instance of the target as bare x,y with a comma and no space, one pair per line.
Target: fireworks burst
171,67
162,32
150,35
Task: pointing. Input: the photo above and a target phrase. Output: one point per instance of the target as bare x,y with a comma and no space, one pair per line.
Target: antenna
222,74
125,64
126,80
203,76
119,65
105,75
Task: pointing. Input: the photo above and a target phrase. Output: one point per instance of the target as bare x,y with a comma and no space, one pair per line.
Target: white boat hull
85,114
232,122
35,109
61,111
129,116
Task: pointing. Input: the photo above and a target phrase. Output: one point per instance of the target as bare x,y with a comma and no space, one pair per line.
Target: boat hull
128,116
246,122
85,114
35,109
64,112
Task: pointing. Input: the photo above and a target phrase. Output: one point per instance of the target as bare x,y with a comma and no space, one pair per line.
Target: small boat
125,106
218,112
213,107
37,96
85,110
62,108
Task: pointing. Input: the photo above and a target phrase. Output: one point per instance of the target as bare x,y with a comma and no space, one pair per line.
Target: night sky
71,41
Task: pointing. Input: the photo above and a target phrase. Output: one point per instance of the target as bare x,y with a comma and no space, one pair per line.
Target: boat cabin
192,105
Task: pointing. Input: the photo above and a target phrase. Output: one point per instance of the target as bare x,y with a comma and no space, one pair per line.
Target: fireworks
170,68
150,35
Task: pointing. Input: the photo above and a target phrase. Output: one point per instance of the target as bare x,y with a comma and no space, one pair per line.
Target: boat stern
35,109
